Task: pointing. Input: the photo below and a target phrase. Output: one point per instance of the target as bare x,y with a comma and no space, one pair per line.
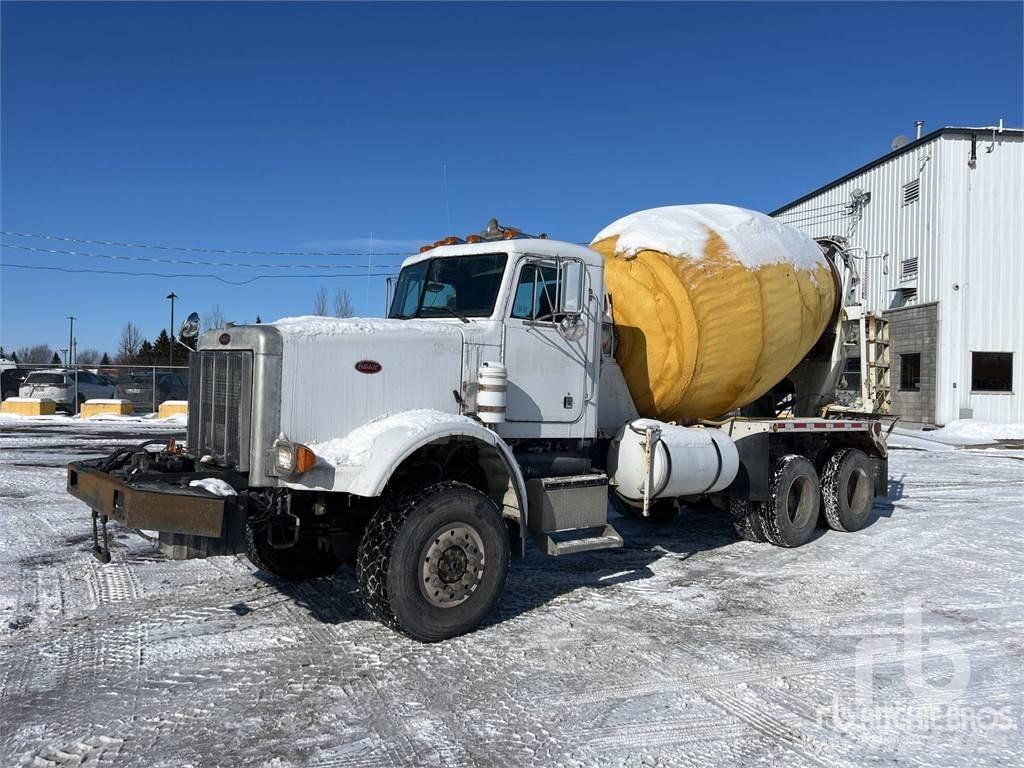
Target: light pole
71,340
172,296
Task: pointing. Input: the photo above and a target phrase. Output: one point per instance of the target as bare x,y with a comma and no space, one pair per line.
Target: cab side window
536,293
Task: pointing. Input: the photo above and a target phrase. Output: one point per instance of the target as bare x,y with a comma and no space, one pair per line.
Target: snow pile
959,433
312,326
174,418
756,240
978,432
214,485
174,402
355,448
107,401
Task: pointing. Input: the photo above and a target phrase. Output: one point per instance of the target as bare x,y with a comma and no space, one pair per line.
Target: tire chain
830,500
769,516
374,556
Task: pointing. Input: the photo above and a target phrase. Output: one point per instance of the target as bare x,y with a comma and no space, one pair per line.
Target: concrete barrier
28,406
170,408
99,407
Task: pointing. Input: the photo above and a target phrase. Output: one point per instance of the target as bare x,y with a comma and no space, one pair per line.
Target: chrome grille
219,407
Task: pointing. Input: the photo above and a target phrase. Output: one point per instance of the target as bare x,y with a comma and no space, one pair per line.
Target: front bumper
147,504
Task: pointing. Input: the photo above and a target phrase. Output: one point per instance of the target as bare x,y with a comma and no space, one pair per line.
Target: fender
363,462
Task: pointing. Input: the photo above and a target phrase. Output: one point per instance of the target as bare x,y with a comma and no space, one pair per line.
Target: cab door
546,357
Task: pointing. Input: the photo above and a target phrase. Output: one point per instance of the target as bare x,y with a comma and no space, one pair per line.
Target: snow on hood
756,240
355,448
214,485
309,326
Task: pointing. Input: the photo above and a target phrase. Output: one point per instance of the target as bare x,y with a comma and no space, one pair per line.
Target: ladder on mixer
872,343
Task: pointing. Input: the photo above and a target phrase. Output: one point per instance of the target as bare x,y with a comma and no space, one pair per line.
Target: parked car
138,387
60,387
11,380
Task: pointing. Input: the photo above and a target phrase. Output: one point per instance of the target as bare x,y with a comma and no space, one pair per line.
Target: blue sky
305,127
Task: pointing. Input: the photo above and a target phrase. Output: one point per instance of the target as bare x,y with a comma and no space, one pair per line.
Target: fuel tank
713,305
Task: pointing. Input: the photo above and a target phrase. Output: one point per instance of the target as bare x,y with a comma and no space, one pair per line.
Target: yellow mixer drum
713,305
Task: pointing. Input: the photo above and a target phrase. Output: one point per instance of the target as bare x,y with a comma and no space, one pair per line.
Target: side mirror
572,294
190,327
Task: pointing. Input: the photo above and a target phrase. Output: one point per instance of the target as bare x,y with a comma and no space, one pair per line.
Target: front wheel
305,560
432,563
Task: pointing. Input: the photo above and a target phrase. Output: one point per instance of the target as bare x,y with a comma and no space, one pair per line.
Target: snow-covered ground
687,647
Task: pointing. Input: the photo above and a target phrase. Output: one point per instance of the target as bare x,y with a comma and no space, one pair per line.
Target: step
563,543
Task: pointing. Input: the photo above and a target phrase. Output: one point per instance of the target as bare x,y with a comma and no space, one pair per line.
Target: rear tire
791,513
432,563
292,564
847,490
746,519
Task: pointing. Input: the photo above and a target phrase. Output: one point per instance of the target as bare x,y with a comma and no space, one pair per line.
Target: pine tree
162,348
3,355
105,360
145,355
55,360
14,357
258,321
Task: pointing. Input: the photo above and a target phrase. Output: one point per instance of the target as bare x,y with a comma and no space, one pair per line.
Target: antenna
447,210
899,142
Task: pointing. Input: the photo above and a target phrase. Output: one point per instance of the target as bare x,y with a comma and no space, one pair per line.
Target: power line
157,260
6,265
193,249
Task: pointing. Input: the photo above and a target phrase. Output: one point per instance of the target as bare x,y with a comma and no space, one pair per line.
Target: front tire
847,490
432,563
292,564
791,513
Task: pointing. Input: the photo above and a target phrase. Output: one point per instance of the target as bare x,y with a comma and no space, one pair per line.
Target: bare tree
128,347
320,302
343,306
213,319
88,356
37,353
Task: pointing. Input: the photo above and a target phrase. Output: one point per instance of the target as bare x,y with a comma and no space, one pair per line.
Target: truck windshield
465,286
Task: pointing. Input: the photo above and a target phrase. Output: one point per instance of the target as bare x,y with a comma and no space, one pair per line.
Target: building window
911,191
910,372
992,371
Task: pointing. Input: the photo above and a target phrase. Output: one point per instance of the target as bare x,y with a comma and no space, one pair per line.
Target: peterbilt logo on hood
368,366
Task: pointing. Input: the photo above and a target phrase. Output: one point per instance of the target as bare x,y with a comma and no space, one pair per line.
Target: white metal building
938,224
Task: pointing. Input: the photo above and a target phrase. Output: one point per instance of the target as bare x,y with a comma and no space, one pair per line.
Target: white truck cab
425,447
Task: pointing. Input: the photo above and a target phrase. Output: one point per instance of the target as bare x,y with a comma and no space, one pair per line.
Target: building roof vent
911,191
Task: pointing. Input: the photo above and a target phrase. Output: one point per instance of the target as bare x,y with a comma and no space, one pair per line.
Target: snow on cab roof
309,326
682,231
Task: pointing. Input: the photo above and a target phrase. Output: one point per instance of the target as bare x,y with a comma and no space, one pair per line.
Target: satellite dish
899,142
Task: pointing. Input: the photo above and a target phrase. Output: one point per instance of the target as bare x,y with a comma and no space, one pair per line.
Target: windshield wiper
451,312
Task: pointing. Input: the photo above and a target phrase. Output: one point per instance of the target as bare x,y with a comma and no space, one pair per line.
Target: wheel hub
452,565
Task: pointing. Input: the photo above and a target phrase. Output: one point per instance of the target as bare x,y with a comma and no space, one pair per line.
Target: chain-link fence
145,386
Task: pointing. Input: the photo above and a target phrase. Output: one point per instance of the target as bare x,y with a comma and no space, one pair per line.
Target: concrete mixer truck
517,383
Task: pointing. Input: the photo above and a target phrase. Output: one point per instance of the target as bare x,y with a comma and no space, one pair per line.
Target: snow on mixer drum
713,305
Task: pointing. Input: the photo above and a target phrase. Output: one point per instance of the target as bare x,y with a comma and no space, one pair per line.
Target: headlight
292,458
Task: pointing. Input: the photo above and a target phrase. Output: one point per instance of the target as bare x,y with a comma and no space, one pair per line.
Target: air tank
713,305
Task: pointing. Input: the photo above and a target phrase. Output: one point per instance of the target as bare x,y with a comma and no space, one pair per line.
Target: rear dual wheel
843,495
847,490
790,515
